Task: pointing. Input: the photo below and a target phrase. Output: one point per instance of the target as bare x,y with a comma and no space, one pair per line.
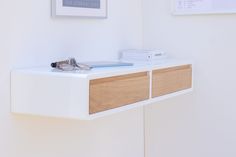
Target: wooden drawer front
113,92
171,80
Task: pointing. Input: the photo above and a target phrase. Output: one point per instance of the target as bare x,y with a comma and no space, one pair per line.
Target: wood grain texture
170,80
113,92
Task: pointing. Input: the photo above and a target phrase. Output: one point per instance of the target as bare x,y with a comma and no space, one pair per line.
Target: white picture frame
60,8
196,7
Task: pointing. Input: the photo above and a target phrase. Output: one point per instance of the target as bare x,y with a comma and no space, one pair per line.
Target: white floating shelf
102,91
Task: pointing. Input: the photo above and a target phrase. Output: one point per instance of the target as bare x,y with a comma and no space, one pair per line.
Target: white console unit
91,94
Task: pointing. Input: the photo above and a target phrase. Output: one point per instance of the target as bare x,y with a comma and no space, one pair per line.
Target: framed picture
191,7
83,8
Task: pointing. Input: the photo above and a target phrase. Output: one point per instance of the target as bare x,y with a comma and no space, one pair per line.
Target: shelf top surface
106,71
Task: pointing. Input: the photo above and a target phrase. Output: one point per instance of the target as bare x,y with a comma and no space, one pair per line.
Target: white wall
201,123
30,37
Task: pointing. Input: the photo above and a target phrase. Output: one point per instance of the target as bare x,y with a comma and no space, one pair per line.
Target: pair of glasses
70,65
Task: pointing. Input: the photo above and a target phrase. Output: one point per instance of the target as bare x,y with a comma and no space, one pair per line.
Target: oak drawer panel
169,80
113,92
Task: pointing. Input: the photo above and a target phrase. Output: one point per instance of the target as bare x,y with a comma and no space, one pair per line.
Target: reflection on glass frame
84,8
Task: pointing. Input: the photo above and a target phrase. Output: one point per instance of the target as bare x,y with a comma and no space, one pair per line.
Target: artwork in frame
83,8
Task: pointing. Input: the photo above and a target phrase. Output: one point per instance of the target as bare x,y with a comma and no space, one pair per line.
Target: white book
142,55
